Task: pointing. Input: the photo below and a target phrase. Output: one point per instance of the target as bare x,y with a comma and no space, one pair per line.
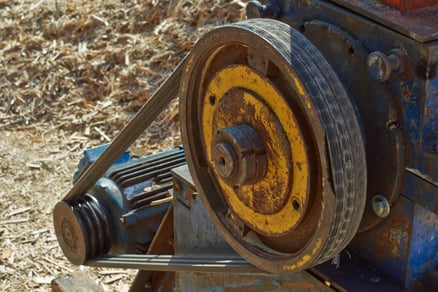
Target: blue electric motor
123,210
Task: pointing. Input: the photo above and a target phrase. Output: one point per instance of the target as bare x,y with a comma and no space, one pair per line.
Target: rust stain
405,92
393,240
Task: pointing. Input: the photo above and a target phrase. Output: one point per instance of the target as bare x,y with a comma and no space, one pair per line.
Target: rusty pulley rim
227,76
254,232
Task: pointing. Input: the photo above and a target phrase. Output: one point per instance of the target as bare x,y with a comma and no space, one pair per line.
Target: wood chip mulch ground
72,74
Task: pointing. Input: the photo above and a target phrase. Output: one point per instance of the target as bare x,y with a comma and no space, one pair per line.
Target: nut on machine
309,159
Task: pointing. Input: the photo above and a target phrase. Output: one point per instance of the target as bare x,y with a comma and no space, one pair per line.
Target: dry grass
72,73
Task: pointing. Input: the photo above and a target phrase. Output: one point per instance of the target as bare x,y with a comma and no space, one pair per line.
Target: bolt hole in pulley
274,145
296,204
212,99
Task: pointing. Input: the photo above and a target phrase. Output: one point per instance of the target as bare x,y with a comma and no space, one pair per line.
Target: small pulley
274,145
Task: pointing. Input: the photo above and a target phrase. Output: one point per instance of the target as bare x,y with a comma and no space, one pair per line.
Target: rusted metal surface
397,136
404,246
239,155
235,78
420,25
399,113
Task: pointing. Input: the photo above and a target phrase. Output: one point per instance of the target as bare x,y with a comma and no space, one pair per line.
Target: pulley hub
239,155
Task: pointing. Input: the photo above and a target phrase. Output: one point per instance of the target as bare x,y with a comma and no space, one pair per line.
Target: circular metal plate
70,233
240,89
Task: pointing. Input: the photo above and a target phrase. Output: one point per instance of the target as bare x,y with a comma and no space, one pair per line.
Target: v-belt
210,263
139,123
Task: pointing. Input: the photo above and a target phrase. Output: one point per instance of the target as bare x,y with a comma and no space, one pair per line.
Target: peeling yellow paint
266,101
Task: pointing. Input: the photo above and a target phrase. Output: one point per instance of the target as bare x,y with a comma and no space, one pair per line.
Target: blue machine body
134,194
90,155
400,120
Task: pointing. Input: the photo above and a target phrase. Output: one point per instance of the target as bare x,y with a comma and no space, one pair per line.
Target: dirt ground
72,74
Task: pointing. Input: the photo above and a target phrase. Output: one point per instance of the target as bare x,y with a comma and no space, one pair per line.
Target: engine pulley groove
82,229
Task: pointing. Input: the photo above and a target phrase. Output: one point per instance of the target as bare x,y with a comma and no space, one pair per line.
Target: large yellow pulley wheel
274,145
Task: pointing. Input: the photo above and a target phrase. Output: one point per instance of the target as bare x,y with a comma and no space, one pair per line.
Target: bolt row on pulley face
273,144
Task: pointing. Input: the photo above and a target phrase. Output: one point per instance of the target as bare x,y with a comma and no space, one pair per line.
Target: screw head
381,206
